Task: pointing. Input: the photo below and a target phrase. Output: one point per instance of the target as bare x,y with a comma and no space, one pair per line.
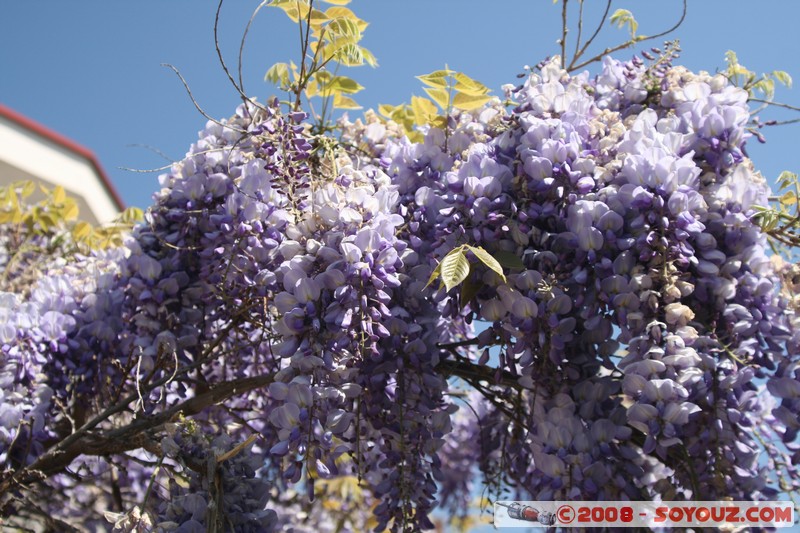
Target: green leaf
440,96
509,260
455,268
469,102
622,18
487,259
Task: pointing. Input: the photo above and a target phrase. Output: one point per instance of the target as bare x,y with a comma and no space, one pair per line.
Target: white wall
24,154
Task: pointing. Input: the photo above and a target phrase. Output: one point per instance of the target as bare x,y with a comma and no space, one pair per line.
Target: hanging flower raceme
617,311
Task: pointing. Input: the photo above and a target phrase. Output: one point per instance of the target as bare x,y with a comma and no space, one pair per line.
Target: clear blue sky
90,69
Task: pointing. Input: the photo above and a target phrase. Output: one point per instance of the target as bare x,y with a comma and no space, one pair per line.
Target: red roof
69,144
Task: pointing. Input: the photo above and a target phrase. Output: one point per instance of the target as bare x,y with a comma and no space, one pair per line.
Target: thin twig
564,31
631,42
59,450
196,105
784,122
594,35
580,28
244,38
246,99
776,104
145,170
152,149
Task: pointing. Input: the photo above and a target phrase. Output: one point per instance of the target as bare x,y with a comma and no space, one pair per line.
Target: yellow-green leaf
348,55
788,198
787,179
338,11
13,200
345,85
312,88
298,10
369,57
469,102
415,136
783,77
623,17
438,122
70,211
739,70
439,95
292,8
455,268
766,86
45,220
278,74
28,189
435,274
319,84
323,77
344,102
81,231
438,78
318,18
424,110
386,110
334,42
487,259
131,215
337,2
59,195
467,85
343,27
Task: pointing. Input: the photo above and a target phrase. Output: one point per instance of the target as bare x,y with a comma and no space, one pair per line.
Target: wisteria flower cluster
618,319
